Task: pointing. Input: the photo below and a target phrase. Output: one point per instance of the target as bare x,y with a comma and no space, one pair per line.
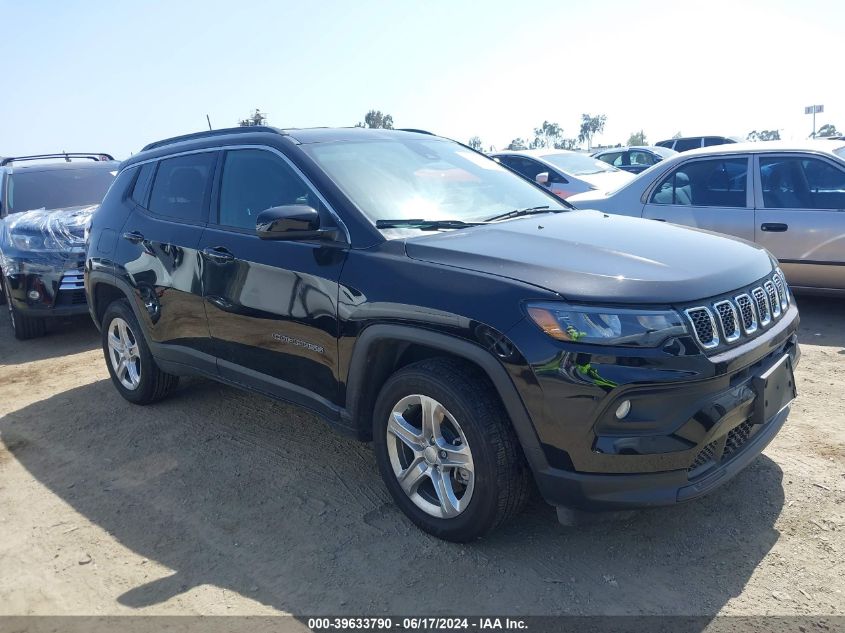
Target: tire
140,380
474,430
25,327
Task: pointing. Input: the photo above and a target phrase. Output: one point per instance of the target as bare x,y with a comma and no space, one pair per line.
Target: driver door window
255,180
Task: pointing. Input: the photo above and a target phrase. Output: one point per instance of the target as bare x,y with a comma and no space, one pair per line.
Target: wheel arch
383,349
103,290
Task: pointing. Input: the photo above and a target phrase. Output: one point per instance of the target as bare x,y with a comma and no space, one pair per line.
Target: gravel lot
221,502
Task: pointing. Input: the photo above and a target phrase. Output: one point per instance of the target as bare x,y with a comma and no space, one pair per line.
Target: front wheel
25,327
132,367
447,451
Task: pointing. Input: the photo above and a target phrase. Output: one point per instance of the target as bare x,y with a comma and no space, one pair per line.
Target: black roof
297,135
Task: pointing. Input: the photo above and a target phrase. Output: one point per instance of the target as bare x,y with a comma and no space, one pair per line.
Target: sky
106,76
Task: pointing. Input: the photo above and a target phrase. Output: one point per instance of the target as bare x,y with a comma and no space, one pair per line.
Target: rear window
686,144
840,152
181,186
577,164
57,188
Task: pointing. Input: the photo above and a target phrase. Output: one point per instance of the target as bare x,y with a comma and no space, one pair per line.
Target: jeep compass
412,292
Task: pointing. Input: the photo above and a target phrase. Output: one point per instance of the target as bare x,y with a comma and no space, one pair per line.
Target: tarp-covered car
45,208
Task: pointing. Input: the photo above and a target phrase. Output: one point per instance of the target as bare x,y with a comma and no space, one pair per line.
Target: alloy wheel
124,354
430,456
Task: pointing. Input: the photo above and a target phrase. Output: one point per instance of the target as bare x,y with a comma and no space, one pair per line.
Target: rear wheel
133,370
24,327
447,451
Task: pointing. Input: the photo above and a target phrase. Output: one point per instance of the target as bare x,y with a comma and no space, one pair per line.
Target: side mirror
291,222
542,178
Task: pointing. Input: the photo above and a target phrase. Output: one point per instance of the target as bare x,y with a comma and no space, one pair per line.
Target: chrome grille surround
774,299
703,326
761,302
723,321
749,315
783,293
728,319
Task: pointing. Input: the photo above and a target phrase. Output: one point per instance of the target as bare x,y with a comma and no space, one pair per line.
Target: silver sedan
790,198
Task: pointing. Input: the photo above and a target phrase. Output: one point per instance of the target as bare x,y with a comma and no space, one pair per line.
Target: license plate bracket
775,388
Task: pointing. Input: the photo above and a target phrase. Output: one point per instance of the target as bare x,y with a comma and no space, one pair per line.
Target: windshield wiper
424,225
518,213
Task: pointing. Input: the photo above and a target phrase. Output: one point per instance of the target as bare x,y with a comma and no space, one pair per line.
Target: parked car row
464,318
789,198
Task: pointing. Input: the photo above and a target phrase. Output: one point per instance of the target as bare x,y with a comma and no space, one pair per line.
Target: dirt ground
221,502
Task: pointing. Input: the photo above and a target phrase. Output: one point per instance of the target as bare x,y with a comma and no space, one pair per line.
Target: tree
547,135
256,118
828,129
764,135
475,143
637,138
590,126
517,143
375,119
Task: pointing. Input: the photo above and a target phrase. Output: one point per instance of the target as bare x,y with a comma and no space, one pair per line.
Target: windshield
57,188
840,152
577,164
430,179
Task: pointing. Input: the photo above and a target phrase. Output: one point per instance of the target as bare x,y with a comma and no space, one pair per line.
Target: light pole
813,109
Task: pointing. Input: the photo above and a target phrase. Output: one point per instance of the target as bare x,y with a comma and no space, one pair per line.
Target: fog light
623,409
34,295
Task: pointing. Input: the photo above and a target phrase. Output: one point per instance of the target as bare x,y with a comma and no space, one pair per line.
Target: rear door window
142,184
181,187
638,157
721,182
801,183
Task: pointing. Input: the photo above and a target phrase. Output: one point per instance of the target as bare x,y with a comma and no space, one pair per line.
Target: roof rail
96,156
411,129
212,133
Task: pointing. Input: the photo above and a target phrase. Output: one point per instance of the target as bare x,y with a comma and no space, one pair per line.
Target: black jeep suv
45,204
417,294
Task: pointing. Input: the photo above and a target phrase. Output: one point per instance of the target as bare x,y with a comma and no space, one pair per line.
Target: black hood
590,256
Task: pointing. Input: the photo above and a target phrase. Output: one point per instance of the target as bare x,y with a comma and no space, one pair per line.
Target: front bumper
695,421
596,492
60,287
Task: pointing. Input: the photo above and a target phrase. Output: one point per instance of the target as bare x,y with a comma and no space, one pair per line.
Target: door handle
133,236
774,227
218,254
658,219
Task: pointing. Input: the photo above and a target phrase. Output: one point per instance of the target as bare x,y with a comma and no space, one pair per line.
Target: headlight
34,242
606,326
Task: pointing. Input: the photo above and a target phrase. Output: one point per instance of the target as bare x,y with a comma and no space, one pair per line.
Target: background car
686,143
44,209
564,172
634,159
789,198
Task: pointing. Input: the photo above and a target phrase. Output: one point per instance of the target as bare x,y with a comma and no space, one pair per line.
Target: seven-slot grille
725,321
72,280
